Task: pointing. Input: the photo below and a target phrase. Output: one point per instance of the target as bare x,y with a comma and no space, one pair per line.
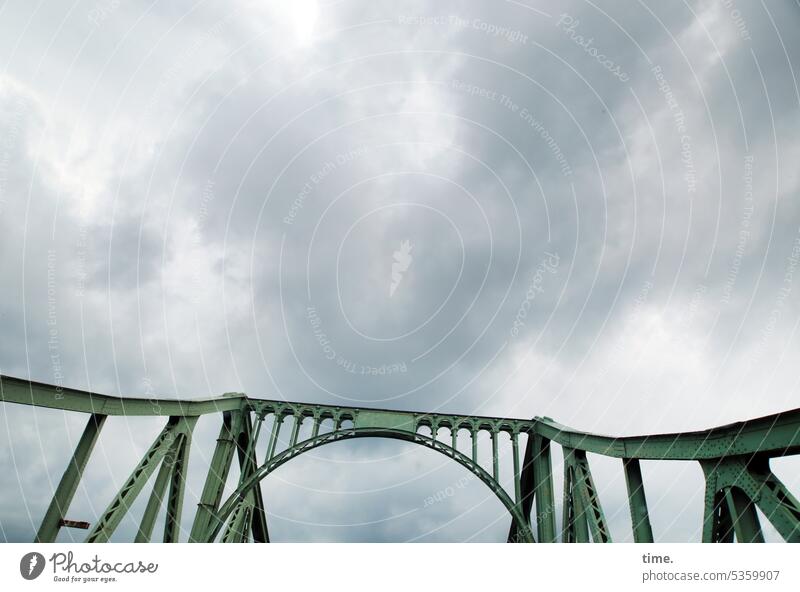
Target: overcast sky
583,211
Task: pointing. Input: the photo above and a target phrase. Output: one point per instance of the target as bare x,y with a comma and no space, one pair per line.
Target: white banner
358,567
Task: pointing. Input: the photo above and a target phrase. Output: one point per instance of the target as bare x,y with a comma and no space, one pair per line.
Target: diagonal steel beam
236,436
122,502
574,527
179,464
772,497
590,501
744,517
735,486
217,475
62,498
248,464
145,532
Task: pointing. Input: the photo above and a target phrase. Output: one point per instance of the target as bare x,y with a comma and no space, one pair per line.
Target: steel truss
735,460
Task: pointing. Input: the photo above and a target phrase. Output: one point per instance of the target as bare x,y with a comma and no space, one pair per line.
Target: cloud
209,200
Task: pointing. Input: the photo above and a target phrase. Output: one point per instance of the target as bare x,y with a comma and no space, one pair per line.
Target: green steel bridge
735,460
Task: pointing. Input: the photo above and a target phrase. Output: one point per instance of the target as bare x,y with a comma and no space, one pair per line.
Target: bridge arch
236,500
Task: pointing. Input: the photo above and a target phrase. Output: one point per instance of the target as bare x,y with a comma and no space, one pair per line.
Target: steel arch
238,497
